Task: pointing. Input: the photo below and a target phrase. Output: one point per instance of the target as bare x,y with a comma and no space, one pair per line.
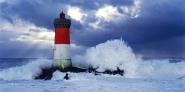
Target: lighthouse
62,59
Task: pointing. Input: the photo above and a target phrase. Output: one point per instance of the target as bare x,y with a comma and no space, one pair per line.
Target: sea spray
25,72
116,53
109,56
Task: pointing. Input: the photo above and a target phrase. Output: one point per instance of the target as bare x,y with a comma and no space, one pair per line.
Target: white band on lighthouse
62,57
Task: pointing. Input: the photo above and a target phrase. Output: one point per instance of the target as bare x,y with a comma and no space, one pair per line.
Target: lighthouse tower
62,59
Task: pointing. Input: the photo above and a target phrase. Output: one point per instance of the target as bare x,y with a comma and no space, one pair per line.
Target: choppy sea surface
17,76
12,62
141,75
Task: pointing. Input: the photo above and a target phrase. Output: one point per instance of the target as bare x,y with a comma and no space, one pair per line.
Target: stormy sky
153,28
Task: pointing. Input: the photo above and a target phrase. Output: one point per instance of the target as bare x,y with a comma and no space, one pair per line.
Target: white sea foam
25,72
57,75
115,53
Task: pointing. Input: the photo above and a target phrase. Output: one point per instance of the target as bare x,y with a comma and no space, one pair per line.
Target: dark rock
47,73
111,72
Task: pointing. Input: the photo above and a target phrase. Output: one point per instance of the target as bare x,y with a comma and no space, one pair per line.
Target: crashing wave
110,55
25,72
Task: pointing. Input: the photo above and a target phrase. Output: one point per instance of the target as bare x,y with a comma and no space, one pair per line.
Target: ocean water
12,62
27,68
105,56
141,75
16,76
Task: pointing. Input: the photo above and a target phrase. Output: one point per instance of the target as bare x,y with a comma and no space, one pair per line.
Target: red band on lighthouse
62,35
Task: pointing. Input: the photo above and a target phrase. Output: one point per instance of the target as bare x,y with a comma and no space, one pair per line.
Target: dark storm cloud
38,13
161,23
158,21
43,12
94,4
12,49
173,47
160,30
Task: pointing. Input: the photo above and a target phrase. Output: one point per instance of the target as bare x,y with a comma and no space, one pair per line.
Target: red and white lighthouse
62,57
